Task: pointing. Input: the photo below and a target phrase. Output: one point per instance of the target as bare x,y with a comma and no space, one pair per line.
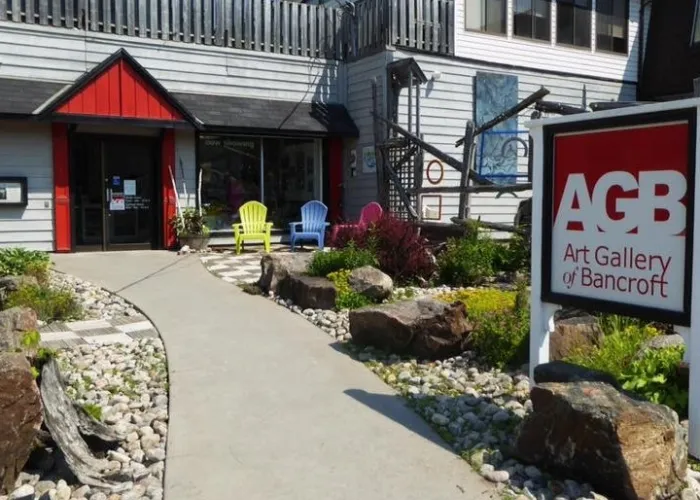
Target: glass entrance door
129,165
114,192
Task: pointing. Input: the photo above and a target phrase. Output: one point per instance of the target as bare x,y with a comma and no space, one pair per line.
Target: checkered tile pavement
97,331
237,269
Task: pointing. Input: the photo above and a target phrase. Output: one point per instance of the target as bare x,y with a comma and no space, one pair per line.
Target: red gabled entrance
117,90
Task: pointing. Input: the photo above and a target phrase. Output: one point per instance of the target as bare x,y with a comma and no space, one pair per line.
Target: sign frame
550,132
542,306
20,182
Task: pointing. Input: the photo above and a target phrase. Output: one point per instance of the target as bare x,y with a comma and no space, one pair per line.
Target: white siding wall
446,105
40,53
25,151
362,188
506,49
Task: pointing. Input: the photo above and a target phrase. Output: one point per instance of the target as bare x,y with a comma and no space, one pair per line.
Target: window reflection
230,177
236,169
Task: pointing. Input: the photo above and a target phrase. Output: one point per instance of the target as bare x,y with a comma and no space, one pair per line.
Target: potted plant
191,229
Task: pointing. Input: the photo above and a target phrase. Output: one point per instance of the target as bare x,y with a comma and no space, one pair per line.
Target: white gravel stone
24,492
97,302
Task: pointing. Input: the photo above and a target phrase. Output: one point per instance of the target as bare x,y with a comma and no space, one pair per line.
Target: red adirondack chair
370,213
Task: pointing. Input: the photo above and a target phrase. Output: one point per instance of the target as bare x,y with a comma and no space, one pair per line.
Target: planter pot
195,242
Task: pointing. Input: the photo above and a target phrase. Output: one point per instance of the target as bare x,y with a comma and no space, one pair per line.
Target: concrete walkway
262,407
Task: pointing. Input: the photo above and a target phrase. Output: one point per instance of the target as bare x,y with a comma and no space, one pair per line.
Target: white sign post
613,220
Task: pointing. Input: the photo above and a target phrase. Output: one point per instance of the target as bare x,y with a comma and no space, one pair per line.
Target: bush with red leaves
401,252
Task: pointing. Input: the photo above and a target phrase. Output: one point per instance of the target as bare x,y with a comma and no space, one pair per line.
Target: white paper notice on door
116,202
129,187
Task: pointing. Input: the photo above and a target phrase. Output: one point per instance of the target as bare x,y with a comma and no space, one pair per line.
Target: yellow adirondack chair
252,226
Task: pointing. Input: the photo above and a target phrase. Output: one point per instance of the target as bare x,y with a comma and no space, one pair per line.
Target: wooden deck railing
262,25
277,26
425,25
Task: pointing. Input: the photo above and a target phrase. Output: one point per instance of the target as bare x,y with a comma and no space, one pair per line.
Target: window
574,22
282,173
611,25
532,19
486,15
696,25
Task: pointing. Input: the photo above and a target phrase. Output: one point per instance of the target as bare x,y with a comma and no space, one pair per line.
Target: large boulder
425,328
13,323
276,267
625,448
308,292
20,414
563,372
575,334
371,282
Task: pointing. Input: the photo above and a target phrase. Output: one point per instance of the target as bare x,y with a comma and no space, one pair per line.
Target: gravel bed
124,385
474,408
97,302
128,383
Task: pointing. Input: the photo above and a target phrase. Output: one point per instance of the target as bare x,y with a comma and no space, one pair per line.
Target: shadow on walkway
394,408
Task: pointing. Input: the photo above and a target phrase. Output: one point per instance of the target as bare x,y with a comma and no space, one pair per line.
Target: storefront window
282,173
291,177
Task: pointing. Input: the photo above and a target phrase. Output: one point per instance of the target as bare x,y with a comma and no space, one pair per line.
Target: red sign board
617,232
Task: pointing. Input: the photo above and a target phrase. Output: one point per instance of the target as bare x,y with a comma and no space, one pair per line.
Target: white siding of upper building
447,104
362,188
43,53
25,151
548,56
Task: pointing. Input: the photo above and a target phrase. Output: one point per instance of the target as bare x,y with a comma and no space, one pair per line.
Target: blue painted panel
493,94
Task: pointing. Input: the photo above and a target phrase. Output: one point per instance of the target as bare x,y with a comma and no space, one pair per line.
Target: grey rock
98,496
276,268
371,282
119,457
661,342
440,419
43,486
500,417
155,454
81,492
563,372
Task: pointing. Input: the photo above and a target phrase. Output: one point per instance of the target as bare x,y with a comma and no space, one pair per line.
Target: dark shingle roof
22,97
265,115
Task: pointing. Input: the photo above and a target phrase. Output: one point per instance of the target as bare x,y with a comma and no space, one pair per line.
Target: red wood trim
167,157
120,92
61,181
335,179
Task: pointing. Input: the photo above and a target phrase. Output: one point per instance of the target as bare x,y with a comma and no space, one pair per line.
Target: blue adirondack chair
312,226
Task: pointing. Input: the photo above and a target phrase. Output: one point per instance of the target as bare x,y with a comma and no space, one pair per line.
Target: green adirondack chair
252,226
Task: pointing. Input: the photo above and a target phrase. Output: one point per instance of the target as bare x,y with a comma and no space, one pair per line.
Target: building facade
114,115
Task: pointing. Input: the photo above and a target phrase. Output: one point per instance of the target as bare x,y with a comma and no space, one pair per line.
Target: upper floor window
696,25
574,22
486,15
532,19
611,25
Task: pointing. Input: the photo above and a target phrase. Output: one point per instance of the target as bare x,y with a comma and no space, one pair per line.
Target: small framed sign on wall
13,191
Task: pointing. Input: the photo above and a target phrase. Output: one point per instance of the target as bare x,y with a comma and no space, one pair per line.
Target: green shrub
613,323
49,304
93,410
467,261
501,337
655,378
350,257
514,255
31,339
20,261
617,350
481,301
346,297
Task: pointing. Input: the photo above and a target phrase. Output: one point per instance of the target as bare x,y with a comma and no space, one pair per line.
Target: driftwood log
68,424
